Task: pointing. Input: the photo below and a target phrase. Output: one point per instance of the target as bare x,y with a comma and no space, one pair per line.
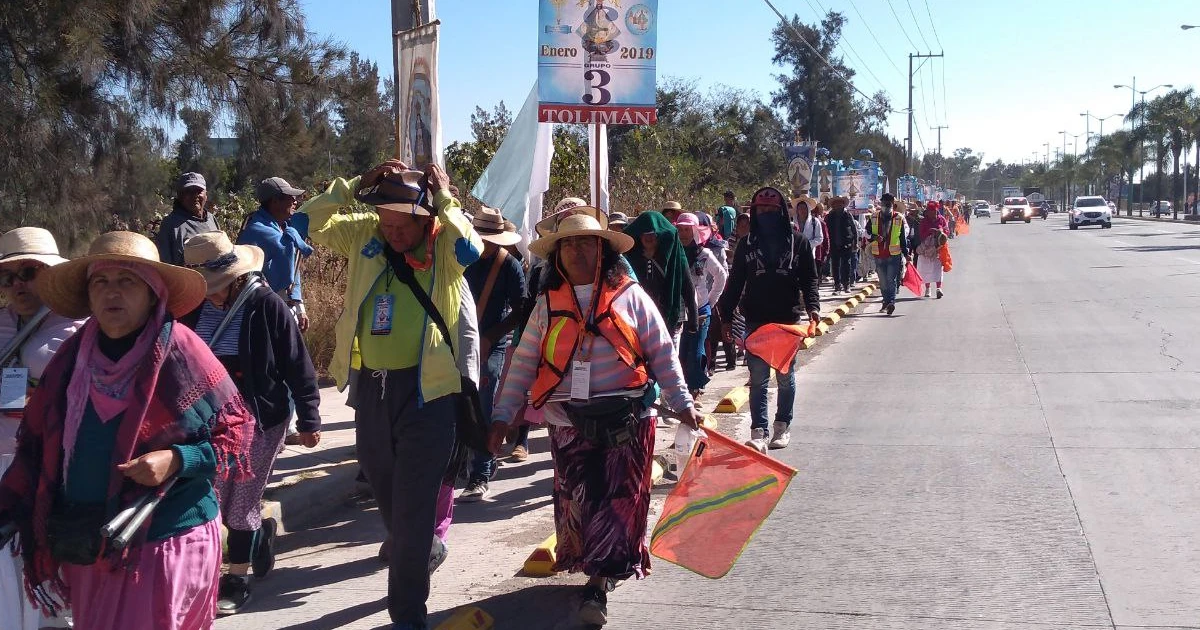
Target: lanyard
23,334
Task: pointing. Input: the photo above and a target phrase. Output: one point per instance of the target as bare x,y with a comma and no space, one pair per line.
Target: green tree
366,130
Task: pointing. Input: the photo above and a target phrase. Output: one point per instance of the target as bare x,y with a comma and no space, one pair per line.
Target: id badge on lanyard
14,386
381,321
581,373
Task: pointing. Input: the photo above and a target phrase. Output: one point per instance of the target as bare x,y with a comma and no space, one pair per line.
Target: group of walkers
170,374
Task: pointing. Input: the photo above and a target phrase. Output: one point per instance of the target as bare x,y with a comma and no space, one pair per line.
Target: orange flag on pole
777,344
725,493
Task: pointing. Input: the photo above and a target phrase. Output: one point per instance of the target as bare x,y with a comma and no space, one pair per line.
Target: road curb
541,562
733,401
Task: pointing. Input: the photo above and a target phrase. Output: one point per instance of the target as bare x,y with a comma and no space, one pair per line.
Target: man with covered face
773,278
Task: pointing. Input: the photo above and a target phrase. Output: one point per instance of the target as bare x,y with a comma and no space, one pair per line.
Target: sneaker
926,292
939,294
233,594
437,555
758,440
264,556
781,435
883,308
519,454
475,491
891,308
593,610
292,439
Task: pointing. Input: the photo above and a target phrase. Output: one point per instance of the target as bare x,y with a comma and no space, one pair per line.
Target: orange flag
962,228
777,344
725,493
944,256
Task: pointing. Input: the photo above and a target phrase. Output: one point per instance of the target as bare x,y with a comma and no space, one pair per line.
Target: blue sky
1016,72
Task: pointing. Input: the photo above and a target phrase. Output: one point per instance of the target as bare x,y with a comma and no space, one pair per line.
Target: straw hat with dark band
219,260
584,221
403,191
489,224
29,243
63,287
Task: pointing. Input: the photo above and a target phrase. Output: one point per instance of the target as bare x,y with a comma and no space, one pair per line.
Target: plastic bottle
685,441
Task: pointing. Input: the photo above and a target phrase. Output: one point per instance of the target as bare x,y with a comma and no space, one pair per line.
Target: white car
1090,211
1016,209
982,209
1160,209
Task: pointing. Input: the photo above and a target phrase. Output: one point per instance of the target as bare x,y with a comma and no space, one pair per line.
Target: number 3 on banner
601,79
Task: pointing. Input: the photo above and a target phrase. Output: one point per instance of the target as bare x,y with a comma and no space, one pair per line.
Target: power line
850,47
945,94
924,107
800,35
934,25
918,25
933,93
921,140
867,23
901,25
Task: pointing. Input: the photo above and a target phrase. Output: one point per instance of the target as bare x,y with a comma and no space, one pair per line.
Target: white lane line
1188,260
1121,242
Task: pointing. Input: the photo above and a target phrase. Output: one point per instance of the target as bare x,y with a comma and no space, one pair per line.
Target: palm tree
1120,153
1172,114
1149,127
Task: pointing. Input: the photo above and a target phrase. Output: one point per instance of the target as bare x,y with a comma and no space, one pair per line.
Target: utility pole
910,100
406,15
937,167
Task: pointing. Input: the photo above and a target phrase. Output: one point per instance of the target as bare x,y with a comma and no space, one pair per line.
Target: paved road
1021,454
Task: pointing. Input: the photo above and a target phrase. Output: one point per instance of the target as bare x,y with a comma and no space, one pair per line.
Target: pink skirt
173,586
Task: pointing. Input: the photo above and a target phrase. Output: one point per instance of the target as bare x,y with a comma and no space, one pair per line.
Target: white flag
598,152
519,174
420,121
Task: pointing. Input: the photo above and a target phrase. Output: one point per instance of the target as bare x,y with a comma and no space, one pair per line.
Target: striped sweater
608,373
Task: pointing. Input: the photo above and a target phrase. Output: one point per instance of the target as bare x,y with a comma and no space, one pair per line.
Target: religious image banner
420,122
596,61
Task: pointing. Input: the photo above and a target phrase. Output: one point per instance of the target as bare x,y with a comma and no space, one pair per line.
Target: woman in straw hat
593,388
252,332
29,336
132,407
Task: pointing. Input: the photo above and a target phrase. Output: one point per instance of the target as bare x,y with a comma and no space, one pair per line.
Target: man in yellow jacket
404,411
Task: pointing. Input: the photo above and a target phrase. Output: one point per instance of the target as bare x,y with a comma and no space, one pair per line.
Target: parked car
1160,208
1112,207
1016,209
1090,211
982,209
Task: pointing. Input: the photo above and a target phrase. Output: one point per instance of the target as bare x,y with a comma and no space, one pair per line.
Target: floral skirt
602,502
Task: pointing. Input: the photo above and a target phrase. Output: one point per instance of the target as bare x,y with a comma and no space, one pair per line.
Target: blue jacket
280,246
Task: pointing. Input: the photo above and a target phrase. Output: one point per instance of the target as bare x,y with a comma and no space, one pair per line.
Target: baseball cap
273,187
190,180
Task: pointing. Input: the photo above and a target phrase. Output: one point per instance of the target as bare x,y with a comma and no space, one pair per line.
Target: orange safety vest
566,328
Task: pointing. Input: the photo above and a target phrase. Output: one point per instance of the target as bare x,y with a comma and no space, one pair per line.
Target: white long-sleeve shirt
812,232
710,280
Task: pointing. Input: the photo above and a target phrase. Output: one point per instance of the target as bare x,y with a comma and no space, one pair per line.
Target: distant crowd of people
159,380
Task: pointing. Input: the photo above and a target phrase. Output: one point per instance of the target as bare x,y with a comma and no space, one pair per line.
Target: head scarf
670,255
706,233
771,234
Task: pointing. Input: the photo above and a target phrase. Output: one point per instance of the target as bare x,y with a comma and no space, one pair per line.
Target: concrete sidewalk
328,577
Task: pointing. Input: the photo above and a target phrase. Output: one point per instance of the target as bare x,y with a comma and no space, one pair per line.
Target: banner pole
596,162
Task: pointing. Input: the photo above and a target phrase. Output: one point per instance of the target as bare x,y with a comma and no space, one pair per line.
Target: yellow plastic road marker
470,618
541,562
734,400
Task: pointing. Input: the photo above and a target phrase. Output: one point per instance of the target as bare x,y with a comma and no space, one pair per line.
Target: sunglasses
24,274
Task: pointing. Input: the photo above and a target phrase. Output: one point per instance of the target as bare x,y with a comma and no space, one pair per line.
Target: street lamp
1047,145
1133,100
1188,26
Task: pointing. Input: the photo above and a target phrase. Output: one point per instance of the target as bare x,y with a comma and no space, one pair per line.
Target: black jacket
276,366
843,231
771,292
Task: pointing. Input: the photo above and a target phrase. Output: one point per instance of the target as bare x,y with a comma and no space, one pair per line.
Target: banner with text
596,61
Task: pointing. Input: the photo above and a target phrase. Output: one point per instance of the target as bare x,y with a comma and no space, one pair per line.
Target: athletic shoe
883,308
437,554
519,454
475,491
891,308
939,294
264,556
926,292
758,440
593,610
781,435
233,593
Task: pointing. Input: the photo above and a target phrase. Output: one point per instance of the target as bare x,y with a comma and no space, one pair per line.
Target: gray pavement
1020,454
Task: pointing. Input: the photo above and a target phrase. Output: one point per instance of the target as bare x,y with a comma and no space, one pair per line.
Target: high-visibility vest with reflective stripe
893,246
565,332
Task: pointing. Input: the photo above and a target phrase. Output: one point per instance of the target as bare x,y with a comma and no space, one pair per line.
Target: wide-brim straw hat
588,221
489,224
63,288
565,208
219,260
29,243
672,206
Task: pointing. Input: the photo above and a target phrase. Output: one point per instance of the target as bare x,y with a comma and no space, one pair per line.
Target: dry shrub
324,283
